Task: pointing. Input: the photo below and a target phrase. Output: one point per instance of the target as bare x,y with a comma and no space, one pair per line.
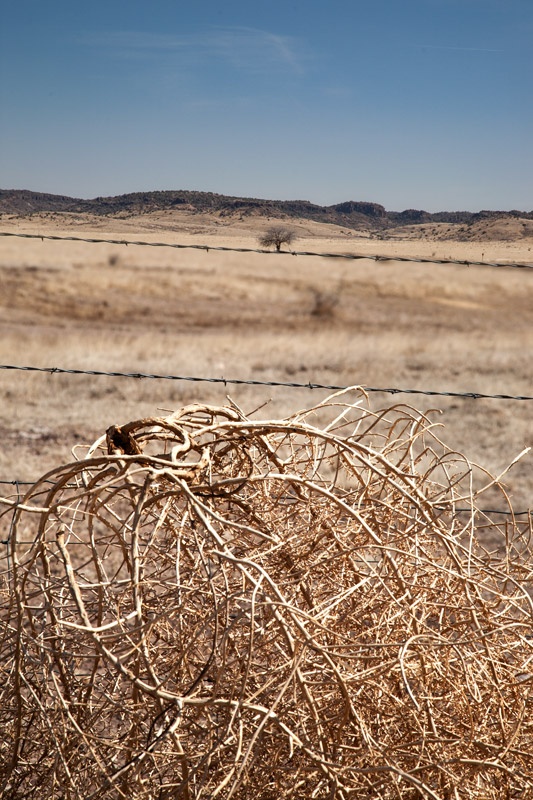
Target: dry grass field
251,316
211,605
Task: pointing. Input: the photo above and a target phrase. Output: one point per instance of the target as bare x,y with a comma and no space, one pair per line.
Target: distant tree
276,236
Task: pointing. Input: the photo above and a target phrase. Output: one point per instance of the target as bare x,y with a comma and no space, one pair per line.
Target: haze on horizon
420,104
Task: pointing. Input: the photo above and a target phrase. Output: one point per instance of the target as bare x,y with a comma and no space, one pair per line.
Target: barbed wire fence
213,605
310,385
255,382
304,253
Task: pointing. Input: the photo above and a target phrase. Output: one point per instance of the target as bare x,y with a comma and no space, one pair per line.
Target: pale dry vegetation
208,605
271,317
183,620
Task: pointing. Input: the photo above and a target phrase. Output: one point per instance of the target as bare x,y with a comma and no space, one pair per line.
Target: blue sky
408,103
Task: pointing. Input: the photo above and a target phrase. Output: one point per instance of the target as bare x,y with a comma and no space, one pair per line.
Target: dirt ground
263,317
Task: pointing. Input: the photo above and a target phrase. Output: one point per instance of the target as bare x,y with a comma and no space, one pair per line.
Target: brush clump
209,605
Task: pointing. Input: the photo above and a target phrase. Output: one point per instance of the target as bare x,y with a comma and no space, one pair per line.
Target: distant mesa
352,214
367,209
412,216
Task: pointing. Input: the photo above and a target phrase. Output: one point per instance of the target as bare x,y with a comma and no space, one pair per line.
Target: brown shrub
207,605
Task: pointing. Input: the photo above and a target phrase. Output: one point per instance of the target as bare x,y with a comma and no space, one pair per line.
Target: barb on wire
208,247
254,382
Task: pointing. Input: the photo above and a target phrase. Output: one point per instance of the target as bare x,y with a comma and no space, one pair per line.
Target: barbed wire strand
503,512
255,382
206,248
499,511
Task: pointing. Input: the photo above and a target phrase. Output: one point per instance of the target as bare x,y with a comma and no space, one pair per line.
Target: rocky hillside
350,214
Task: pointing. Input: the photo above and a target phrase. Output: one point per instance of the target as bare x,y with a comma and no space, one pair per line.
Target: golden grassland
251,316
212,605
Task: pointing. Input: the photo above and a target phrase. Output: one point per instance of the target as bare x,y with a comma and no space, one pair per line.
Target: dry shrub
211,606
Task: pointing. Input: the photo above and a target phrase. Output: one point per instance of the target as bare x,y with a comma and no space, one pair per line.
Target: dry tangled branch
207,606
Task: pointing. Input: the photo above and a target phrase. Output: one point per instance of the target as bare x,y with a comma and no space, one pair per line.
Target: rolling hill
351,214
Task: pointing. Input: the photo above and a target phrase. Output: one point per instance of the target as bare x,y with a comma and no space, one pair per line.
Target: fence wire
471,395
207,247
253,382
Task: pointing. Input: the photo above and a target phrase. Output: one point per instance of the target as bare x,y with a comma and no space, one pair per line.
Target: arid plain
270,317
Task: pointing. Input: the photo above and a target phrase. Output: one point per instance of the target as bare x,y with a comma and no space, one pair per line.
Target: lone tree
276,236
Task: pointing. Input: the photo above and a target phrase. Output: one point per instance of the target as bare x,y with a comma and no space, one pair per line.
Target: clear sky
409,103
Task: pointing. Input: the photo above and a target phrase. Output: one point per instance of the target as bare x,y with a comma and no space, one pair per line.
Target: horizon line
265,200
